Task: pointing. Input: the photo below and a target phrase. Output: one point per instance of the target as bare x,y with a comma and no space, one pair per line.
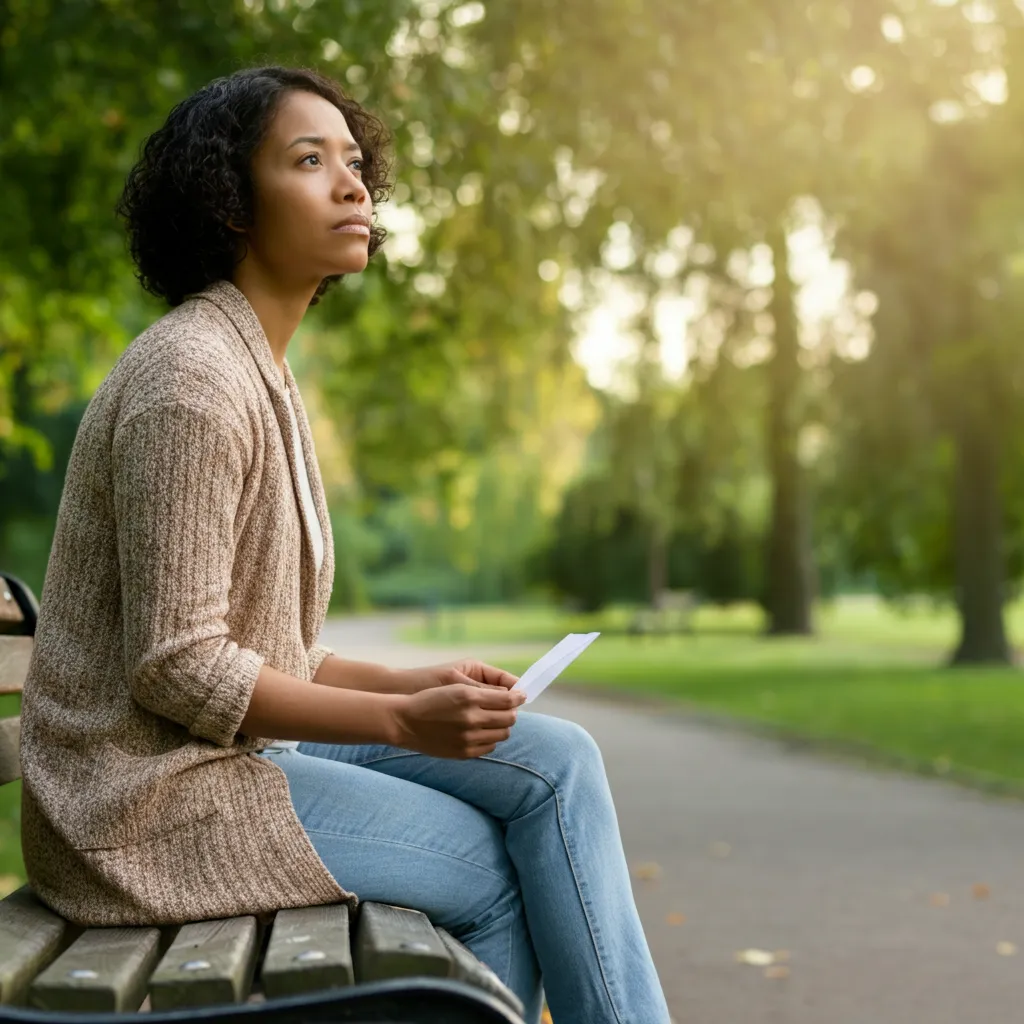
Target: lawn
872,680
12,869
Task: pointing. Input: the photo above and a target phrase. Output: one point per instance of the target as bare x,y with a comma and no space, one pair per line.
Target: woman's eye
357,164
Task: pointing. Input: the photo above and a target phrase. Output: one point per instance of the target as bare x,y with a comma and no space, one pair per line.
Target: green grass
12,868
872,679
864,619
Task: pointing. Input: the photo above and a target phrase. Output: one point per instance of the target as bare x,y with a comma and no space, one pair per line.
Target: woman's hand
468,672
458,720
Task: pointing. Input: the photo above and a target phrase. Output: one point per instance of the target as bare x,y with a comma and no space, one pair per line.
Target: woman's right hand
457,721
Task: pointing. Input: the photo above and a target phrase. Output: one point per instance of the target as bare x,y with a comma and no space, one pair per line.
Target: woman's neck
279,309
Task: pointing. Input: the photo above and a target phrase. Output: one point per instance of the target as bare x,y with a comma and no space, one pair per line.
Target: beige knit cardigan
180,565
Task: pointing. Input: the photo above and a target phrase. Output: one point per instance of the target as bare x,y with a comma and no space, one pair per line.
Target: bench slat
31,936
466,967
392,942
308,950
10,737
15,652
103,969
208,962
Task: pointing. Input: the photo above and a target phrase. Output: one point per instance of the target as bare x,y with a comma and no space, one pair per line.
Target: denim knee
581,768
579,744
567,750
559,757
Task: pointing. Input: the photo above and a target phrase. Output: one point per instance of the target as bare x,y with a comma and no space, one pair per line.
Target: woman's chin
355,265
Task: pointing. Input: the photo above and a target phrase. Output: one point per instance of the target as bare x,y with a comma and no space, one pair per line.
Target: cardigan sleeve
318,654
178,473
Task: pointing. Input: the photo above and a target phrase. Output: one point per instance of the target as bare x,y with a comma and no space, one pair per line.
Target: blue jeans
516,853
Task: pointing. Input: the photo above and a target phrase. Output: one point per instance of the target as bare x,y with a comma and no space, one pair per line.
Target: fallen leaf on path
720,849
647,872
1006,948
675,919
939,899
755,957
776,971
980,891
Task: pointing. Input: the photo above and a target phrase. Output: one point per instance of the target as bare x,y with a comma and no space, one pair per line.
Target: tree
934,240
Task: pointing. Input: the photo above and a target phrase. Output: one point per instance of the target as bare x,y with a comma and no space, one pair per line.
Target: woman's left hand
468,671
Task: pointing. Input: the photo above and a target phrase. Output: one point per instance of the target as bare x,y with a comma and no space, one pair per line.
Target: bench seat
380,963
49,964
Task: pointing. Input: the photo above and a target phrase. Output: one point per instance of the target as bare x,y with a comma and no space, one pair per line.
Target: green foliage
598,552
599,555
530,138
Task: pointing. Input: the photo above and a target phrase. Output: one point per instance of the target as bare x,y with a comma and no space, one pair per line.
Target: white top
311,518
307,494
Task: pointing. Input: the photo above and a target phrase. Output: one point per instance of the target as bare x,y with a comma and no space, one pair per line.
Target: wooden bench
383,963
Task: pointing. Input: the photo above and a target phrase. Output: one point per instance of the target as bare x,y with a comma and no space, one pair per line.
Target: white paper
545,670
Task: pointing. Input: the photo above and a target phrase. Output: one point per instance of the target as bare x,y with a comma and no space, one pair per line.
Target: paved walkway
897,899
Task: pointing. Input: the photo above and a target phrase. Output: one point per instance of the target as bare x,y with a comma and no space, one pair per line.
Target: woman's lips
352,229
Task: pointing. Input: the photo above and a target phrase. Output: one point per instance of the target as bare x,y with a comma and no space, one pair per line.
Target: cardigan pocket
151,809
130,834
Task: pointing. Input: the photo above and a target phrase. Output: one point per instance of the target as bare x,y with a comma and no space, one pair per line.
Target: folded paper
545,670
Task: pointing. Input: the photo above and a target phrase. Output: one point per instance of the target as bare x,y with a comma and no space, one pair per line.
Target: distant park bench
671,612
321,963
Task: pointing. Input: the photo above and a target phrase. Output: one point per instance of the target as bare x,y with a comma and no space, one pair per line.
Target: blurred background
699,324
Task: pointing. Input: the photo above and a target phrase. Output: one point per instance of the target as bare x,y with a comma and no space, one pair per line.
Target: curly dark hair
193,177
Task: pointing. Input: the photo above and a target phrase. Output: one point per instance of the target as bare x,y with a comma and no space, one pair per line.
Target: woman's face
311,216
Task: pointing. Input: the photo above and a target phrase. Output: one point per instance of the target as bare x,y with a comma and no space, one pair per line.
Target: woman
187,585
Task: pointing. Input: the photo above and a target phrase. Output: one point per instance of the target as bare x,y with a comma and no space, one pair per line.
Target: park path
898,899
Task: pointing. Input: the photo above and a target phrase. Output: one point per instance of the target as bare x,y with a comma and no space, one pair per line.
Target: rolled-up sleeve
318,654
178,474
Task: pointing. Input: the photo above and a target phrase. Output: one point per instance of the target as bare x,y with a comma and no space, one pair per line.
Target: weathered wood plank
208,962
466,967
31,936
15,652
392,942
10,736
103,969
308,950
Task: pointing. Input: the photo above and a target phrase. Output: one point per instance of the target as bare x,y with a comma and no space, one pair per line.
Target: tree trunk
979,562
657,565
788,569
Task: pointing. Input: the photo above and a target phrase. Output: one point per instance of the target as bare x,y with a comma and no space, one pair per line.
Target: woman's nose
351,188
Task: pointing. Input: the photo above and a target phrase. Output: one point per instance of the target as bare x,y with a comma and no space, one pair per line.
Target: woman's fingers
497,676
487,738
496,697
458,721
481,750
488,675
491,719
